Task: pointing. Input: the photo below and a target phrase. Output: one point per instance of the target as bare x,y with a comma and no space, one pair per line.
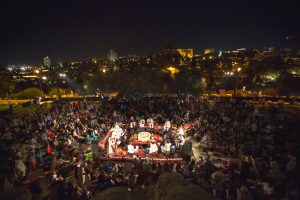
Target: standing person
245,169
32,159
82,173
111,146
40,156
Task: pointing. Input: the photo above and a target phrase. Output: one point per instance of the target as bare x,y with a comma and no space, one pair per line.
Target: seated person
131,149
140,152
94,136
153,148
132,122
167,125
142,123
120,152
150,123
167,147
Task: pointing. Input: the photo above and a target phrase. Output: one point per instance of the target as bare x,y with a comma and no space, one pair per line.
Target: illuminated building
208,51
112,56
186,53
47,61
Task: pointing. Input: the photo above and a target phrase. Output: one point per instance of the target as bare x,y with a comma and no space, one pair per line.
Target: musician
142,123
150,123
167,126
153,148
167,147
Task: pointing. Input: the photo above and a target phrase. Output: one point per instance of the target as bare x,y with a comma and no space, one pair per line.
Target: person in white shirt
150,123
167,147
132,149
142,123
132,124
117,132
153,148
167,126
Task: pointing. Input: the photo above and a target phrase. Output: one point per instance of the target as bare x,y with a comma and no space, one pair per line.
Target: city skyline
70,31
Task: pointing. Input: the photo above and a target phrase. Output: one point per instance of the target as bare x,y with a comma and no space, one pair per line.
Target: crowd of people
240,151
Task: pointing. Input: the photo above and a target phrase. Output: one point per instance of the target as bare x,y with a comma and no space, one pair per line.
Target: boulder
170,186
115,193
18,193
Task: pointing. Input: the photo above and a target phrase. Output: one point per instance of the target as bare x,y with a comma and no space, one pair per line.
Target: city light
239,69
173,70
220,53
37,71
104,71
62,75
44,78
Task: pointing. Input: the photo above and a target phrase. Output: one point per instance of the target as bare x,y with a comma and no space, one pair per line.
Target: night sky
76,30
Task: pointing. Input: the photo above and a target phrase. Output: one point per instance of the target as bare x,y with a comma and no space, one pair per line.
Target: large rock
170,186
18,193
115,193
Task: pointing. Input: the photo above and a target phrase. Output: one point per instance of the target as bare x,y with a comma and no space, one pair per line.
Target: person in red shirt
120,152
48,149
140,152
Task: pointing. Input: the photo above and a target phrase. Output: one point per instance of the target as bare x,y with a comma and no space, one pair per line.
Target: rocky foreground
170,186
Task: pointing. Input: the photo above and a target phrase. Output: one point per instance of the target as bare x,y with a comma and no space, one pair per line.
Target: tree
6,84
53,91
28,93
287,84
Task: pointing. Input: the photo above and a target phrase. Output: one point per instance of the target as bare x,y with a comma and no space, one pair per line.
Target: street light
39,79
236,81
58,93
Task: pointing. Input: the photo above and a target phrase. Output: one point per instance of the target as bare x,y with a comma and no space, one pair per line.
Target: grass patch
20,111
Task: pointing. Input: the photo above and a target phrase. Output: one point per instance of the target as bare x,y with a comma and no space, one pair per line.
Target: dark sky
70,30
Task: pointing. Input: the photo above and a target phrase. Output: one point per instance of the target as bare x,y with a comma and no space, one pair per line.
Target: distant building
47,62
112,56
208,51
186,53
